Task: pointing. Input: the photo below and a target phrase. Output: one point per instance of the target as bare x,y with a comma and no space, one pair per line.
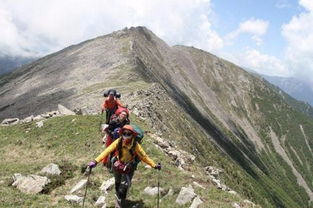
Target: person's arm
143,156
118,103
103,106
107,150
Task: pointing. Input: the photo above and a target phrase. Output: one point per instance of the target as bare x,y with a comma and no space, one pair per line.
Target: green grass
26,149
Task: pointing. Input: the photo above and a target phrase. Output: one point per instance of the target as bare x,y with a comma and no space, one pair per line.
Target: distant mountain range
9,63
298,89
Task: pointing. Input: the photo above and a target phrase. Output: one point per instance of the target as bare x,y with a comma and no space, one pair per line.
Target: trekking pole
158,187
88,171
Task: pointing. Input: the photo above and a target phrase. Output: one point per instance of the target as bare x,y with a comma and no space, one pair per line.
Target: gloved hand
158,166
92,164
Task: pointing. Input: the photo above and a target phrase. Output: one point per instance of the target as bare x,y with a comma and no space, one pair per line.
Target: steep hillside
199,102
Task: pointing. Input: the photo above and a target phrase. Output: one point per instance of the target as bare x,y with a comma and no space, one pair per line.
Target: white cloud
262,63
299,36
255,27
37,27
307,4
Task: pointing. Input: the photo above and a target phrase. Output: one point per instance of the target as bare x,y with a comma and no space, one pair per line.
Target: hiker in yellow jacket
126,149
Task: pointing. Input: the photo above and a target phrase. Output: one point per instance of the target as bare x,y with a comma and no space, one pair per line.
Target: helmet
129,128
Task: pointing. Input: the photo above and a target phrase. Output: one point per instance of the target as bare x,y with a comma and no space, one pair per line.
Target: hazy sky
273,37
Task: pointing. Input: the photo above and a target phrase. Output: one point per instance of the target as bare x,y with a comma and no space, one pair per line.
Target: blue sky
272,37
230,13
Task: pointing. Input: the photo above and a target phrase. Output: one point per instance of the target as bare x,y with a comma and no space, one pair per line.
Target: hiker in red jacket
110,105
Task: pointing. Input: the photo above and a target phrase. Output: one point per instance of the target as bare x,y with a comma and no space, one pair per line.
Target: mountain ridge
230,107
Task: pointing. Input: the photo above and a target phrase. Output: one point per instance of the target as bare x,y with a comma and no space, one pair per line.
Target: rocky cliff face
189,96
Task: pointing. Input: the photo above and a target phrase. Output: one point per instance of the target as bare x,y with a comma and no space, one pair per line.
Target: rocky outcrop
181,158
186,195
65,111
214,175
10,121
107,185
81,184
74,199
51,169
30,184
153,191
196,202
101,202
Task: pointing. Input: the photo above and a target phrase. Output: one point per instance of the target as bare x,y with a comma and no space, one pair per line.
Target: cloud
37,27
262,63
298,34
282,4
255,27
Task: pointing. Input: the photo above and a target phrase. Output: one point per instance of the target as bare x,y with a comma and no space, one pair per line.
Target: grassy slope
76,139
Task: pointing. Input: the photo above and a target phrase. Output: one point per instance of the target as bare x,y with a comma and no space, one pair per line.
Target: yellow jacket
126,155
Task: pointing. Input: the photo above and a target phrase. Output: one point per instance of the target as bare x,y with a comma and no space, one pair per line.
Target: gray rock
153,191
28,119
100,202
232,192
235,205
39,124
65,111
10,121
38,118
185,195
196,202
74,199
246,201
30,184
107,185
51,169
45,115
79,186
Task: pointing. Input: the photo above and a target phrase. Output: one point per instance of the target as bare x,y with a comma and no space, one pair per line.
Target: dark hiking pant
108,114
122,183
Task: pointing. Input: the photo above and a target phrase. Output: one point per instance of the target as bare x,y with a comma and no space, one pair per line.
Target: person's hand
92,164
158,166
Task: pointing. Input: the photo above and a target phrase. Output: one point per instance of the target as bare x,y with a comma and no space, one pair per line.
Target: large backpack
140,133
115,92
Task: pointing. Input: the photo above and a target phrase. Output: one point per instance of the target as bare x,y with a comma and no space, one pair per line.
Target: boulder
65,111
79,186
46,115
38,118
74,199
100,202
28,119
235,205
10,121
107,185
232,192
153,191
30,184
51,169
196,202
185,195
39,124
248,202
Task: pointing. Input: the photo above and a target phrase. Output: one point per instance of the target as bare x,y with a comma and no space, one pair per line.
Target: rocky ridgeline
180,158
62,111
143,104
